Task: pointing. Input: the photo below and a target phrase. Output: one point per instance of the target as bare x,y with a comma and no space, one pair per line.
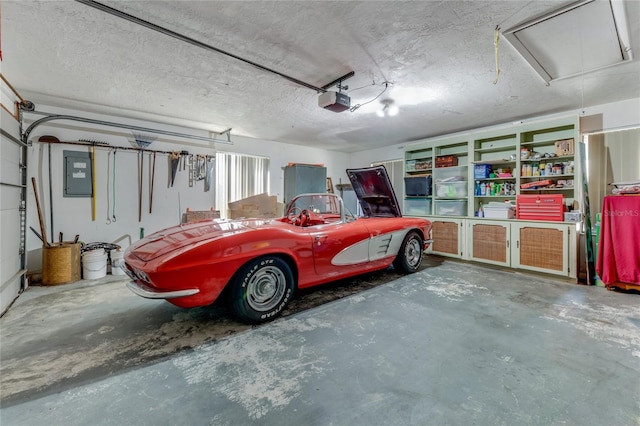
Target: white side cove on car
374,248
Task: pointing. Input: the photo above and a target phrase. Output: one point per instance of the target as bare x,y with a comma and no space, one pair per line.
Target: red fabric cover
619,245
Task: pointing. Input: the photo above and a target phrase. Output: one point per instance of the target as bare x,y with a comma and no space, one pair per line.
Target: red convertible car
259,263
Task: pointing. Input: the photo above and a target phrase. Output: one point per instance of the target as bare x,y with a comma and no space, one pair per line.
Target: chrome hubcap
413,252
266,288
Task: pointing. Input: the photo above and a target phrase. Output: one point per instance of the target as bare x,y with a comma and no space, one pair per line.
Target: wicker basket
61,263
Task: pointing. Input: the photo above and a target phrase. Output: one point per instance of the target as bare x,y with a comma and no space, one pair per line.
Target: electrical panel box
78,167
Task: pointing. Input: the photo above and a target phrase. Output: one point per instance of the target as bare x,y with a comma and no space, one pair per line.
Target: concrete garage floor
453,344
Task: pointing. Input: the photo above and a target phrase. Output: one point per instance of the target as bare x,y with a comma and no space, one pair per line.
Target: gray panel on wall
302,179
77,174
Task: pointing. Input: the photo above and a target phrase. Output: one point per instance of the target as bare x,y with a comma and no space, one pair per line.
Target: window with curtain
239,176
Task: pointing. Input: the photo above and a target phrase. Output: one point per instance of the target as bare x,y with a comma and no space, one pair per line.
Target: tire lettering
279,308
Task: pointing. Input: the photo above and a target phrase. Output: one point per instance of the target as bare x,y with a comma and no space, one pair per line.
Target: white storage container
451,208
451,189
417,206
573,216
456,173
495,210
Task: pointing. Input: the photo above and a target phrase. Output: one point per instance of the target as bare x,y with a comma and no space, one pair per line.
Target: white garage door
12,211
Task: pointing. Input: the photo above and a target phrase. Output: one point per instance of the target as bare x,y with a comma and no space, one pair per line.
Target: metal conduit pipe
52,117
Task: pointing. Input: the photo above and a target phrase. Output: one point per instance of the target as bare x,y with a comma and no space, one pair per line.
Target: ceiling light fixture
388,108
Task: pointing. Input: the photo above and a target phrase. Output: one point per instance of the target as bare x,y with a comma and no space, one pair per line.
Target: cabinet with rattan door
448,237
489,241
536,246
543,247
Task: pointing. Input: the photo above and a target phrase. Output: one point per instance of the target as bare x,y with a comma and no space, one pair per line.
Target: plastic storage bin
575,216
417,206
417,185
450,174
451,208
494,210
451,189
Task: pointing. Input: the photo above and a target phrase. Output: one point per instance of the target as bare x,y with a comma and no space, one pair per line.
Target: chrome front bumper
151,293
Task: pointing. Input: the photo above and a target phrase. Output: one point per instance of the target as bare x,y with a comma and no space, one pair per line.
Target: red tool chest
540,207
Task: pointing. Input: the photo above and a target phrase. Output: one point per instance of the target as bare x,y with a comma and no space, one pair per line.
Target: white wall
615,115
282,154
387,153
74,215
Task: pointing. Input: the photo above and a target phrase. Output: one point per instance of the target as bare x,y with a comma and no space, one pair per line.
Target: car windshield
326,205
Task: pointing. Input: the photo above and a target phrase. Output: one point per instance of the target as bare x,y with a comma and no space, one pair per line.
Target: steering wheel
294,215
305,218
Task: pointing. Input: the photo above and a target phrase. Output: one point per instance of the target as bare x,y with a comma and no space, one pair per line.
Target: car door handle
320,239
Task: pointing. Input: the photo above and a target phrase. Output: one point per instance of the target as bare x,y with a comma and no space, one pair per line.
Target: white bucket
116,262
94,264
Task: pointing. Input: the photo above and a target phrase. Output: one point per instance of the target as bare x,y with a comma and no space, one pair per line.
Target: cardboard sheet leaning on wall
261,205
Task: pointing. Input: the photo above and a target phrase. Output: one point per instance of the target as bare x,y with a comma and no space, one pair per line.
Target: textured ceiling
438,55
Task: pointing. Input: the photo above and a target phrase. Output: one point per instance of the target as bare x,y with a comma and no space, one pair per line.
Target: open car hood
374,191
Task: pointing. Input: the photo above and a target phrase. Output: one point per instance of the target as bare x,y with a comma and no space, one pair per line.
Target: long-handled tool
50,193
108,221
113,188
43,229
50,140
153,175
37,233
140,167
142,141
94,210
